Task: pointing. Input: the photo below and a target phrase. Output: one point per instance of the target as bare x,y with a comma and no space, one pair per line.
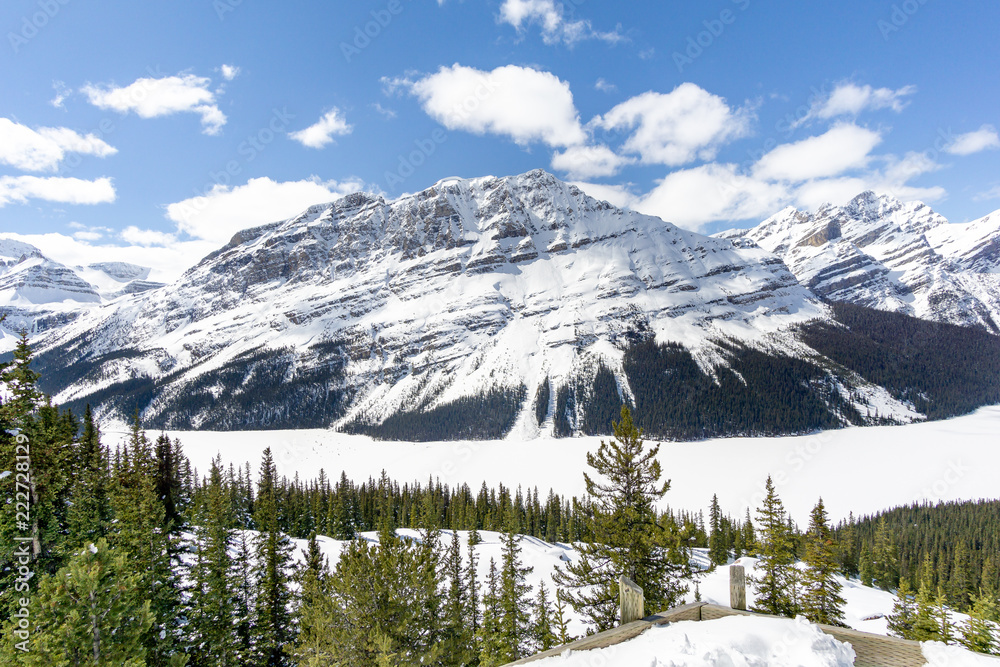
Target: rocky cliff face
466,287
882,253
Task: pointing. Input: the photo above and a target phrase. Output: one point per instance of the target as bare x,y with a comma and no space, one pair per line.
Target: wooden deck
872,650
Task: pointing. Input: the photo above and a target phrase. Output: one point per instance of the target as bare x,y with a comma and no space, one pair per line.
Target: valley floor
860,470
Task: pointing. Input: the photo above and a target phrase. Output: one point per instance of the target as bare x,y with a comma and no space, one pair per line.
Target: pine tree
776,584
624,534
943,618
848,549
471,576
903,613
315,612
91,612
821,599
212,628
543,632
273,629
140,531
89,513
749,536
458,639
492,647
866,566
925,622
514,603
885,565
981,632
718,553
561,623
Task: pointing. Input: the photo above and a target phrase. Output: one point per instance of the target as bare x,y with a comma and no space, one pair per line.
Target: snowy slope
468,286
879,252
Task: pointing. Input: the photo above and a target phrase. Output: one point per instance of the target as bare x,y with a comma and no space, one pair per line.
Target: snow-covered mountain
879,252
514,300
41,295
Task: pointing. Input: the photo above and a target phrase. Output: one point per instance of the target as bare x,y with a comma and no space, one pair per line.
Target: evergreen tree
925,621
89,513
718,552
472,588
749,536
821,599
458,645
866,566
776,584
626,537
981,632
315,612
91,612
848,550
140,531
543,632
903,613
272,628
885,565
561,623
212,627
513,603
492,648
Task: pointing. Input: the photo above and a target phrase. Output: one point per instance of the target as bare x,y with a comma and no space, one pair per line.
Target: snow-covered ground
861,469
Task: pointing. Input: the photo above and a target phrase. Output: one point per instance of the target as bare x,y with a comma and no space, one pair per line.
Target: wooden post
737,587
631,601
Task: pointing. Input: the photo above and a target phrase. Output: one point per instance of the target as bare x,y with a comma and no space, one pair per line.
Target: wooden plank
737,587
631,601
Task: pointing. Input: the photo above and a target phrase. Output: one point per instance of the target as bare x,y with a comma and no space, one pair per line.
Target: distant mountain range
521,306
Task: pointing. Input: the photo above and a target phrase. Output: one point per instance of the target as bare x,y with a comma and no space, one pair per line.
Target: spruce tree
513,603
885,565
273,630
491,645
866,566
457,642
718,552
315,612
560,622
93,611
89,513
624,534
543,632
775,585
903,612
980,632
925,622
821,599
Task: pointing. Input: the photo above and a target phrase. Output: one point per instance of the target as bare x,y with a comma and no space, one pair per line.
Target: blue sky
155,130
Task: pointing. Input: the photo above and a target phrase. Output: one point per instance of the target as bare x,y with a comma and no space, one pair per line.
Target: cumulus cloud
225,210
581,162
841,148
19,189
696,197
985,138
678,127
62,92
146,237
524,104
551,19
322,131
229,72
850,99
154,97
605,86
616,195
43,149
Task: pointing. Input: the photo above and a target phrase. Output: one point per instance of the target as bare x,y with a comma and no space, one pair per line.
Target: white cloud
43,149
225,210
146,237
321,133
151,98
605,86
984,138
850,99
20,189
551,18
840,149
695,197
229,72
524,104
582,162
992,193
388,114
167,262
616,195
686,124
62,92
